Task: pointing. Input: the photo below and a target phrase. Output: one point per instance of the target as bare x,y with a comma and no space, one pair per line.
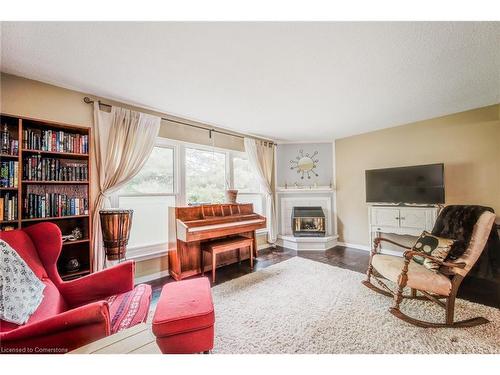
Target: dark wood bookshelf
80,249
9,156
56,153
56,182
68,243
50,218
75,275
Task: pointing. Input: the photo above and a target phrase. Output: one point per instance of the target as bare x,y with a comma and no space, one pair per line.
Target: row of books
55,141
36,168
9,173
8,207
54,205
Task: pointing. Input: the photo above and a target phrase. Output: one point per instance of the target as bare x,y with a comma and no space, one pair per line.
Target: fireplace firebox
308,222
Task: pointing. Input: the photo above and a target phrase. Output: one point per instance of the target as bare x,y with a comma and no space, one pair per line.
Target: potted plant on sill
231,194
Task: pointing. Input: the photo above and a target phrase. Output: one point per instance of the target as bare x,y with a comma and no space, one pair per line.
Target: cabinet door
388,217
413,218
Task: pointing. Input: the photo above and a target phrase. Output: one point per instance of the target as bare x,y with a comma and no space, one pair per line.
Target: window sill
142,253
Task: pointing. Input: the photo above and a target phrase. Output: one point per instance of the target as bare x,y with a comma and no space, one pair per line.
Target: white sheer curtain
261,158
123,141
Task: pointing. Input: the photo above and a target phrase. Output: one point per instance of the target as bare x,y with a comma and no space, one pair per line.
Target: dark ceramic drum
115,226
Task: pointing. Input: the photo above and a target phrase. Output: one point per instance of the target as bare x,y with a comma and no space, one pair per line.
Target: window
156,176
244,177
149,194
247,185
178,173
205,176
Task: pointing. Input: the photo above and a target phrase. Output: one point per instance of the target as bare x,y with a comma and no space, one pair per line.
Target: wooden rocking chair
434,286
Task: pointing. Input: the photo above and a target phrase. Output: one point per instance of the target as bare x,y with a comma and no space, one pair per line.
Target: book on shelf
37,168
49,201
8,207
9,173
55,141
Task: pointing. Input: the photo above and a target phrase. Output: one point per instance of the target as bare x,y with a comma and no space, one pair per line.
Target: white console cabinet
401,220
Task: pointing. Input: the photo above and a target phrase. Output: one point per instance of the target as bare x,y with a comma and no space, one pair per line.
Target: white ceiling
291,81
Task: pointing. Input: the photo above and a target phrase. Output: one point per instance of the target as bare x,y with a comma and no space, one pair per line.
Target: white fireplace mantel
323,197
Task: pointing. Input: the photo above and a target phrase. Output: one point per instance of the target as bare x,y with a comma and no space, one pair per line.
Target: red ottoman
183,322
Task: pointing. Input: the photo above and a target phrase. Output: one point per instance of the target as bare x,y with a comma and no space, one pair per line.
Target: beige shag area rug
302,306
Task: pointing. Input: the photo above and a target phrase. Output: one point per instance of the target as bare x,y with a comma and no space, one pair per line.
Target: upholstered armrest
411,253
377,241
63,332
99,285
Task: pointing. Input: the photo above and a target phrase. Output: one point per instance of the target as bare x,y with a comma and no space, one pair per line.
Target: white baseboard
264,246
354,246
151,277
307,243
367,248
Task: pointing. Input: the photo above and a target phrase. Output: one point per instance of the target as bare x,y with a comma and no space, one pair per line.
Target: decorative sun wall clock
305,164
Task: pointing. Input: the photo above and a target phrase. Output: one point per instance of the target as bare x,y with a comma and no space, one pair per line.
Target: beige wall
25,97
29,98
468,144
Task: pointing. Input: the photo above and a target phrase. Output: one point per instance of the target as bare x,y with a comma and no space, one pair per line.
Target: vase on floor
115,225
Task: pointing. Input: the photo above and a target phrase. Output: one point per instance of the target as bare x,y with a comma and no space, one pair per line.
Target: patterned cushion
21,291
130,308
434,246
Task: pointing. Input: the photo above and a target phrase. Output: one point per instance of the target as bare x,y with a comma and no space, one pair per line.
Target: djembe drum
115,226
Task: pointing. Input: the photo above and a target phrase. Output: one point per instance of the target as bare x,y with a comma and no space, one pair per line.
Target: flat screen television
420,184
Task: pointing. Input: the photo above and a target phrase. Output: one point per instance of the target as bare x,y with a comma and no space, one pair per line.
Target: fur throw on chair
457,222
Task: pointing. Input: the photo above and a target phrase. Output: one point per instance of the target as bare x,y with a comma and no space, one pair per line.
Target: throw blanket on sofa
21,292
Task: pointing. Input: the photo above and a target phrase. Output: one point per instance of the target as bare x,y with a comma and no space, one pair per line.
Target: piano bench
184,318
227,244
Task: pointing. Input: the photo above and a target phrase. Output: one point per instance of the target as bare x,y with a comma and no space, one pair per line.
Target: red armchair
72,313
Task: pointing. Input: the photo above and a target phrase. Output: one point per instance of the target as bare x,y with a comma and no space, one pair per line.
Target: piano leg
254,250
251,256
202,263
214,266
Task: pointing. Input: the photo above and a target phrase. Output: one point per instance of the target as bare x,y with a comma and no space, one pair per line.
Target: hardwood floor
340,256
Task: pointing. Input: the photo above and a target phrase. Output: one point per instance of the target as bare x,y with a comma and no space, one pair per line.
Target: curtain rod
209,130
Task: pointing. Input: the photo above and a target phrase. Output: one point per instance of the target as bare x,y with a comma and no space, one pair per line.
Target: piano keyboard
225,225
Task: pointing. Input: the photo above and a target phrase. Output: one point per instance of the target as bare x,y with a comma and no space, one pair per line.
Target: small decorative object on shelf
115,226
76,234
5,140
72,265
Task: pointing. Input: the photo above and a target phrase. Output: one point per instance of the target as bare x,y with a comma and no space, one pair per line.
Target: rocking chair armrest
411,253
379,239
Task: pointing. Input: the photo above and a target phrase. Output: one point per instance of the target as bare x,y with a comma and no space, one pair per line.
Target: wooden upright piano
192,227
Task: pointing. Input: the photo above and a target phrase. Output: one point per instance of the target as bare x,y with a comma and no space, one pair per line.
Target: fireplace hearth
308,222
